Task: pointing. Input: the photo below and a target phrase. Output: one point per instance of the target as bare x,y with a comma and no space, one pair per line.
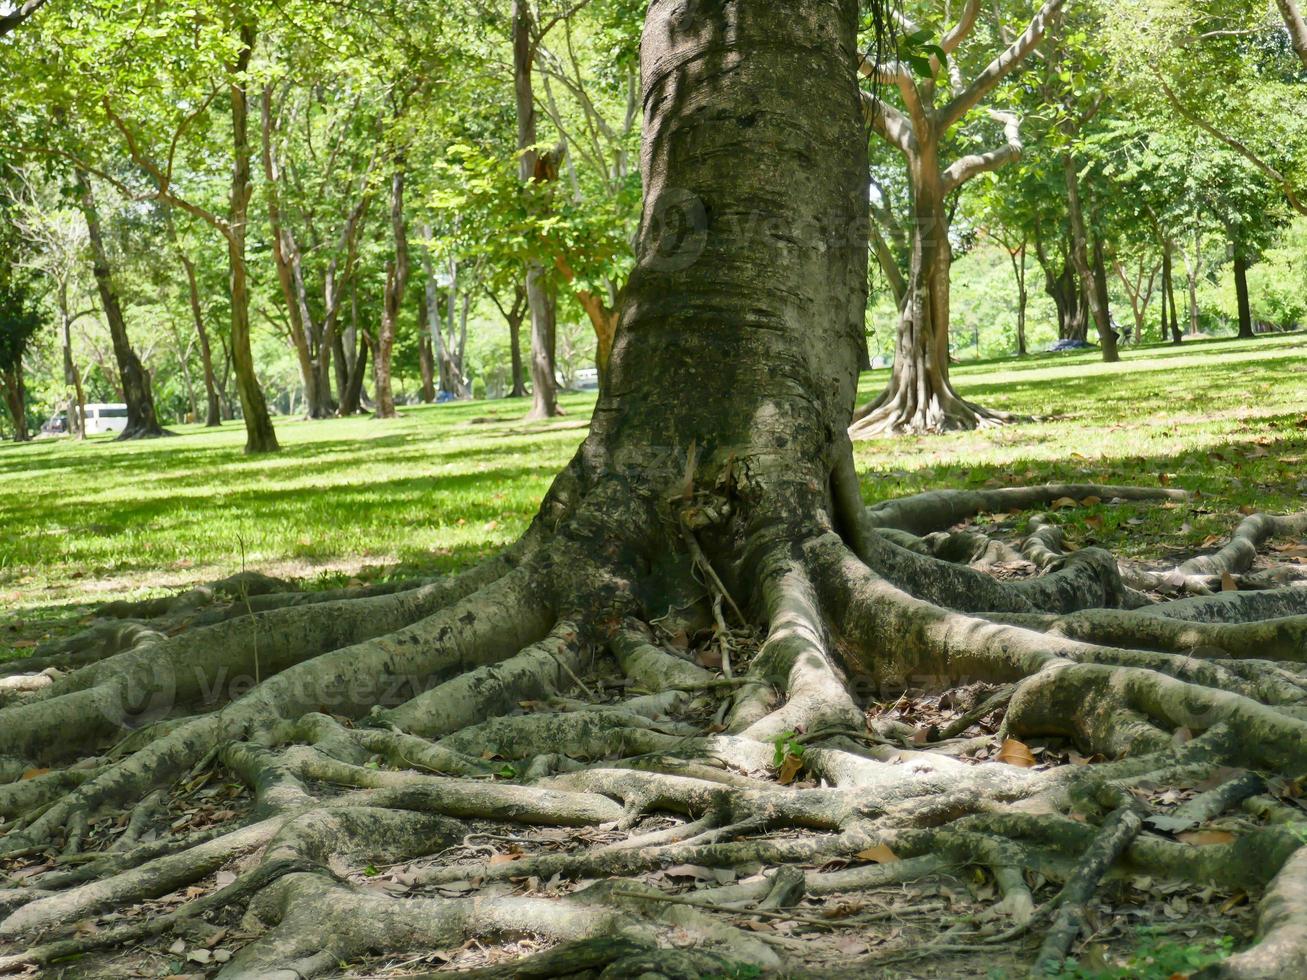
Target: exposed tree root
393,729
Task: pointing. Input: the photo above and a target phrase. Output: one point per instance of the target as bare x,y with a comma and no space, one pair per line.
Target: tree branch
894,73
1002,66
161,179
9,21
974,164
1234,144
1297,27
891,124
963,28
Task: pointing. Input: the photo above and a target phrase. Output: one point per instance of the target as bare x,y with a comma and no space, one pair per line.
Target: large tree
919,396
715,494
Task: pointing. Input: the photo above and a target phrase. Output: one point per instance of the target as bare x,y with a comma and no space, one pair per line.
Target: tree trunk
211,413
450,373
1100,288
716,480
1062,287
920,397
142,422
1241,289
514,318
544,382
351,397
340,363
15,392
1170,317
72,377
1080,256
1018,257
304,336
393,300
544,395
426,357
260,437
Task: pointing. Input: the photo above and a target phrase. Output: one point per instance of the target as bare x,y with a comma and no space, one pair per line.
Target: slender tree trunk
340,363
260,437
183,362
393,300
544,383
426,356
15,392
1191,277
142,421
514,317
72,377
1168,294
1018,257
1241,289
544,397
1100,287
290,275
1080,256
211,413
351,399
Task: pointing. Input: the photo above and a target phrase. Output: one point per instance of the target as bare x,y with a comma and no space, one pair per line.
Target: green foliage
786,744
21,315
1156,958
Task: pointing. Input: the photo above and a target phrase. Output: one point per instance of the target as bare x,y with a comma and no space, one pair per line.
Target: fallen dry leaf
790,769
1228,583
1205,838
880,854
33,773
1016,753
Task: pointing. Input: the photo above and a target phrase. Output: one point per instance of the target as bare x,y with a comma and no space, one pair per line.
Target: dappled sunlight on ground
444,485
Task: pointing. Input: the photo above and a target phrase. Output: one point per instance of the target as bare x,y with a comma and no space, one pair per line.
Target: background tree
919,396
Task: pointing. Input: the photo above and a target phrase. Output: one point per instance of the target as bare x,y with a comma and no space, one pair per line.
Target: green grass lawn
83,523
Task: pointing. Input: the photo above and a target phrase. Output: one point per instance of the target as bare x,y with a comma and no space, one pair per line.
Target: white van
102,417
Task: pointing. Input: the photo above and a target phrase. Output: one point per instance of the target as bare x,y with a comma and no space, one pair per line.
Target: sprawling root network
356,729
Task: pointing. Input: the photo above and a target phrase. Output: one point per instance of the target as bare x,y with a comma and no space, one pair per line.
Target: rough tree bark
142,422
717,480
920,397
